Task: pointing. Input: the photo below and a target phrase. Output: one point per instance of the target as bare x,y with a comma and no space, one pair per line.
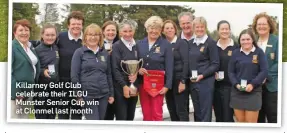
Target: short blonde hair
95,28
154,21
199,20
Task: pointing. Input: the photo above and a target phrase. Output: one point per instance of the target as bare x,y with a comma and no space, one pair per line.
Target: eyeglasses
93,35
262,24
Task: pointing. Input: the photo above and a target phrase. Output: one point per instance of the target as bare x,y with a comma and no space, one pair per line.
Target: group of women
233,79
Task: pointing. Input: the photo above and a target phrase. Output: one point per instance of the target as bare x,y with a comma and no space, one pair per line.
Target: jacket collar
85,49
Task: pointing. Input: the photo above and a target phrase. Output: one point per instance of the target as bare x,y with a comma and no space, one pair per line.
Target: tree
51,13
27,11
215,36
99,13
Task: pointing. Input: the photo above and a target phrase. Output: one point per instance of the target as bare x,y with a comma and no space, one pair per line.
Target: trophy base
134,90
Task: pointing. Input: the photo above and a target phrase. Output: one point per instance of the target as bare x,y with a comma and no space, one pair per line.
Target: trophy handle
141,60
123,68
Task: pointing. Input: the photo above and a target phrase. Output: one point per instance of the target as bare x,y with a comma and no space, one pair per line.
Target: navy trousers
202,97
99,110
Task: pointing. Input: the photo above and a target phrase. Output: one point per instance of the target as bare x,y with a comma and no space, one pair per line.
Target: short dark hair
249,32
222,22
76,15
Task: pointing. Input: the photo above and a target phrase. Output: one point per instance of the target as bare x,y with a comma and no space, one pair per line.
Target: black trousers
125,107
269,106
177,103
99,110
110,113
48,115
221,99
68,107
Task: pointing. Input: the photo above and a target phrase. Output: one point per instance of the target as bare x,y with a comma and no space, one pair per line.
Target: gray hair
154,21
133,24
185,14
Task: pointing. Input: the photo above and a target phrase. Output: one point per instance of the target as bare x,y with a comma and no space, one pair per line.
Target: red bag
153,82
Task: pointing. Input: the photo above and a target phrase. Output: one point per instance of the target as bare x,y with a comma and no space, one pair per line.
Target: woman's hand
238,86
216,76
126,90
181,87
111,100
249,88
46,73
142,71
163,90
200,77
133,78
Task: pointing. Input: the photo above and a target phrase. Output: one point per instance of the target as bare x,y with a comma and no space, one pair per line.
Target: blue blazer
159,57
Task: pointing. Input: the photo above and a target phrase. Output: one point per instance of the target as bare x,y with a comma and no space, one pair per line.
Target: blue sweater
93,72
252,67
66,50
204,58
180,53
121,52
159,57
224,57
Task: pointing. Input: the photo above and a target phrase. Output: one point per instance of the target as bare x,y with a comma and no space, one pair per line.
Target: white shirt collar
107,41
128,43
262,45
183,37
72,38
174,39
29,44
95,52
200,40
231,43
247,53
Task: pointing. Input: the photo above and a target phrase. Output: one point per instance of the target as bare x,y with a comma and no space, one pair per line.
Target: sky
239,15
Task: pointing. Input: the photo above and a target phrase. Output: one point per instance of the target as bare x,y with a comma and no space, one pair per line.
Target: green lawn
4,30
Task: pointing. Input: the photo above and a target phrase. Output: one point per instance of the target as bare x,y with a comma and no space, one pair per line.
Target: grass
4,30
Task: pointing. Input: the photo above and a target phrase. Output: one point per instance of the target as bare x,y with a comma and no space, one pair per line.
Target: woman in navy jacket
247,70
110,34
91,68
226,46
124,49
203,63
177,97
157,55
47,52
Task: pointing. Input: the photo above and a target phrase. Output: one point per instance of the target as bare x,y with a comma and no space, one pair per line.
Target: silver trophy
132,67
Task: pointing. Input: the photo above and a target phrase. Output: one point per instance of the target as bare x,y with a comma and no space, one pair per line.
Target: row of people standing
194,52
259,68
